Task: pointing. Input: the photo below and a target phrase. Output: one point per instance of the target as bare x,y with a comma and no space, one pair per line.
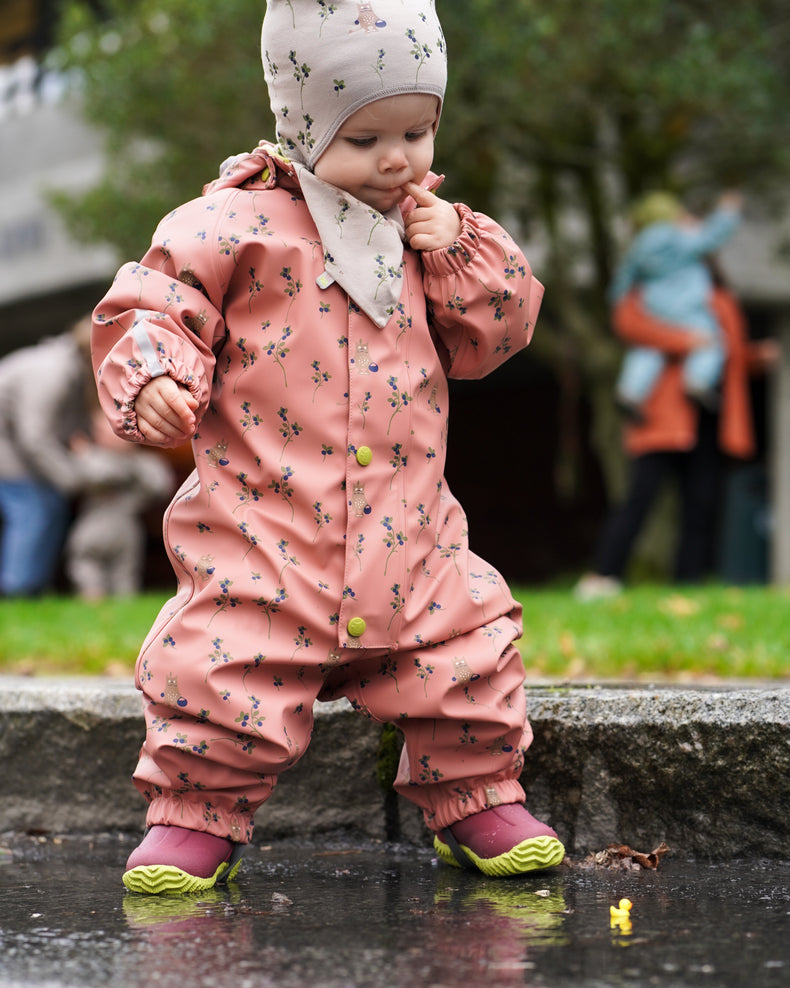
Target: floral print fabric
317,548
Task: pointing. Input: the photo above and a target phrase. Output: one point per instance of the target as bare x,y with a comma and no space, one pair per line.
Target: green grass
648,633
63,635
658,632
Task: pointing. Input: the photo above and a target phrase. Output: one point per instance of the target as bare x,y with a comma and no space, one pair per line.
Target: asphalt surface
346,912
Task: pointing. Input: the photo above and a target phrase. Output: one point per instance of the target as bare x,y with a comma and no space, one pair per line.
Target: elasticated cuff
189,811
449,807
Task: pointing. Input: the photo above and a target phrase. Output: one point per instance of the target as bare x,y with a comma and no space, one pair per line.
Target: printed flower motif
249,537
397,603
292,287
283,487
428,774
420,51
364,407
466,736
173,296
248,493
248,358
288,430
385,272
398,461
358,548
450,552
319,377
392,540
248,419
388,668
289,560
224,600
217,656
320,517
398,400
301,73
277,349
301,640
378,68
228,245
340,219
423,519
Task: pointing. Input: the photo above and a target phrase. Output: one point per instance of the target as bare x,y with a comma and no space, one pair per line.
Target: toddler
667,261
282,323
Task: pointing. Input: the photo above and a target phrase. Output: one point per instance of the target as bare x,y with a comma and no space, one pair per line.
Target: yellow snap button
364,455
356,627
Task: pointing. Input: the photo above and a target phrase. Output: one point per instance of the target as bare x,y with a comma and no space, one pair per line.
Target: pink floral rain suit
317,548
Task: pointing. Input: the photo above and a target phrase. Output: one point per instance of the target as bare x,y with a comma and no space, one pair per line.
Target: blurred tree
561,113
176,86
557,115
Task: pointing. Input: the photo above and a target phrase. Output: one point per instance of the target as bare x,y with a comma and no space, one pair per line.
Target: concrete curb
706,769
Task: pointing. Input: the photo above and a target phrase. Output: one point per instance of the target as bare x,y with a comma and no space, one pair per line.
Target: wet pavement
341,913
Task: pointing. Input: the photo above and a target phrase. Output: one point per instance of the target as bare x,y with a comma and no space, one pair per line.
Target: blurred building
47,280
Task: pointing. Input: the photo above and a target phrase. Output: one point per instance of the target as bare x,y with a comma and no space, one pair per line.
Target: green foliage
176,86
599,99
65,636
559,114
657,91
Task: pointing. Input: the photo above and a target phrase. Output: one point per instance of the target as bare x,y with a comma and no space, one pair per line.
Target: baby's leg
638,375
464,747
219,732
461,707
702,369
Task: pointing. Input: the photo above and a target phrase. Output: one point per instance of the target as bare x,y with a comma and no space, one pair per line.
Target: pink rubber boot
173,860
505,840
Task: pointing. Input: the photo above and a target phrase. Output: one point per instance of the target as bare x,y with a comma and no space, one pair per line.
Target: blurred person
666,259
680,438
45,397
105,547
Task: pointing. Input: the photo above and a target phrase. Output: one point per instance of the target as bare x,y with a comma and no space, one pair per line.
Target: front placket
379,419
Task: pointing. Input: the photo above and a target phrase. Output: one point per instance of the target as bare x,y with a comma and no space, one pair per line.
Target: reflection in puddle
389,915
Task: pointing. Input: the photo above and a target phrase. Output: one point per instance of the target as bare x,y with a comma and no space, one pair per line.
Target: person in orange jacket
677,436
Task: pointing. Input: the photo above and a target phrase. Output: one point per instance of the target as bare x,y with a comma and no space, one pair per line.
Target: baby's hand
434,223
165,412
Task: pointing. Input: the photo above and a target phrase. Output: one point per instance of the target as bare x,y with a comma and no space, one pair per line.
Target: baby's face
380,147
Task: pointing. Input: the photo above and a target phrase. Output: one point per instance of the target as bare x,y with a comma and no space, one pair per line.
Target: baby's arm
714,231
482,297
162,319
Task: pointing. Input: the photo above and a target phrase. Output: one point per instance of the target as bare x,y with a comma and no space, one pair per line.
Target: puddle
341,914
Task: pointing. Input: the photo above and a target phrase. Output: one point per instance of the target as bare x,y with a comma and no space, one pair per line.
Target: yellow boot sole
530,855
169,880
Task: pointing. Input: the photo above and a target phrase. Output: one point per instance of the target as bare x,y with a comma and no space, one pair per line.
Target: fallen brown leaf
621,857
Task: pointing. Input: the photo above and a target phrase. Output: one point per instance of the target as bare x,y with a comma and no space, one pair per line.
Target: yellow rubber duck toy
620,915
